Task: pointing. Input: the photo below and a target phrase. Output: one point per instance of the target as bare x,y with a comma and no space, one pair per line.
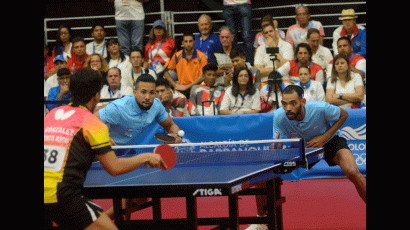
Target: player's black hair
293,88
145,77
84,84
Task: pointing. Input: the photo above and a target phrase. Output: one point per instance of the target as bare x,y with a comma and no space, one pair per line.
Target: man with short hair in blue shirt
129,116
311,120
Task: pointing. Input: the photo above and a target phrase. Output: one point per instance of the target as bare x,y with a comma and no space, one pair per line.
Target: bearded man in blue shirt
311,120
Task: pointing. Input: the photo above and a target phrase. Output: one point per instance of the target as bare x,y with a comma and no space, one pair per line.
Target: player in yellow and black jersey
73,137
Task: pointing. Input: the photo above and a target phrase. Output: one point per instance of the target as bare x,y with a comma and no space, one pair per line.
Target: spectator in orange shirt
188,64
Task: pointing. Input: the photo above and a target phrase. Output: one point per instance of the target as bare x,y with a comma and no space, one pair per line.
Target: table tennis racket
163,137
168,155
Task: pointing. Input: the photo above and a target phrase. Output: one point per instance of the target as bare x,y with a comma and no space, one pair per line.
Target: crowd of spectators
212,74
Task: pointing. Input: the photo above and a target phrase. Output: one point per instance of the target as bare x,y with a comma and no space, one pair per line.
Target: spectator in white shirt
242,97
263,59
313,90
344,88
130,75
114,89
320,54
99,43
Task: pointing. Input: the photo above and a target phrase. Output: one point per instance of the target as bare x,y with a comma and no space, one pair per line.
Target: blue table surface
180,174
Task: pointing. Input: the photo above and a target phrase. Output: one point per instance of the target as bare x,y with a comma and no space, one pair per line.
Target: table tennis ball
181,133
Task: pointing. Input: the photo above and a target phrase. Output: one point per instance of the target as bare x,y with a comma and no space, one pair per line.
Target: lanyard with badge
112,94
102,53
154,64
243,99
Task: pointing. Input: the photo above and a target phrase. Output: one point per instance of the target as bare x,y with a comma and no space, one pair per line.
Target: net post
303,149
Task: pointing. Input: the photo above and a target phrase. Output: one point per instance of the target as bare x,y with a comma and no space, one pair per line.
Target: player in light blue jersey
311,120
128,117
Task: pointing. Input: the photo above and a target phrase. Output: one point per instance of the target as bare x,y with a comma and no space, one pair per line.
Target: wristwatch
340,95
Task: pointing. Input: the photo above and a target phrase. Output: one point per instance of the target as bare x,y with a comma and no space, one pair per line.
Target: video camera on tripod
274,78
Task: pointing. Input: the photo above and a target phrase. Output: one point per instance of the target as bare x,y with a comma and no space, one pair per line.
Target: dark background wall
78,8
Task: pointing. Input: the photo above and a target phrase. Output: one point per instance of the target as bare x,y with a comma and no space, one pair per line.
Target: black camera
272,50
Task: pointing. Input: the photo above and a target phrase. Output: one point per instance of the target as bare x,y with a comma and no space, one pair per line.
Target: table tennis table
228,175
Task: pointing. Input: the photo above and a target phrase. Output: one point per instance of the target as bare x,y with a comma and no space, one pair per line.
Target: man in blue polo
128,117
311,120
206,41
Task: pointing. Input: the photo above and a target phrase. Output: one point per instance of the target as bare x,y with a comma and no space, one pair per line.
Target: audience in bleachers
303,57
130,75
242,97
345,87
99,44
220,56
297,33
212,74
62,91
98,63
78,55
175,103
59,63
188,64
260,38
115,57
320,54
64,45
358,63
114,87
263,60
206,41
356,33
206,98
238,59
159,48
313,89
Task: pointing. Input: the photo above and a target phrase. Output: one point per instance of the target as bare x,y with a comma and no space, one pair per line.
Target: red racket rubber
168,155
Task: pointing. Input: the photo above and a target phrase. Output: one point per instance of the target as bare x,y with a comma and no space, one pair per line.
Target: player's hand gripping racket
164,137
167,154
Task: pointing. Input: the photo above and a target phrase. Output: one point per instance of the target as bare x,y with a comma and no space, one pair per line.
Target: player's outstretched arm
117,166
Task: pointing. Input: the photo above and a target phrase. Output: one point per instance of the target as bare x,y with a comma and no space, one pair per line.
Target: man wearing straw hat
356,33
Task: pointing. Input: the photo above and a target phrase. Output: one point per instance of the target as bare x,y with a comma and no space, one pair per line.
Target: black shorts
76,213
332,147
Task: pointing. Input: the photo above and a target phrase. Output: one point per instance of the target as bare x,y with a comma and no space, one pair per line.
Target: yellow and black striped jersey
73,136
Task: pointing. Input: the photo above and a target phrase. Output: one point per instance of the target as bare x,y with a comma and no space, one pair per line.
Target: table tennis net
235,152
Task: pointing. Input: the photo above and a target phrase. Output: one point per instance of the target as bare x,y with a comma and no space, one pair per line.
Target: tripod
274,78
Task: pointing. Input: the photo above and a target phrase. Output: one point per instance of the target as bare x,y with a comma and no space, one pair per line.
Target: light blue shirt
317,121
127,121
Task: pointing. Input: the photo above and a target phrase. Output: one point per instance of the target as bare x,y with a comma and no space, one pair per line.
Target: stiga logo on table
207,192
